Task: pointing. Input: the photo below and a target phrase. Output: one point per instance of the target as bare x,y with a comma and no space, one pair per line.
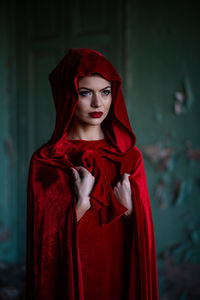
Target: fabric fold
113,211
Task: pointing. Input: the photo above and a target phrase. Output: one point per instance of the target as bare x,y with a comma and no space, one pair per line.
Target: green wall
8,137
164,58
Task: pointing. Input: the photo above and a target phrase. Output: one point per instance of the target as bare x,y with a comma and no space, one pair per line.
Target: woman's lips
96,114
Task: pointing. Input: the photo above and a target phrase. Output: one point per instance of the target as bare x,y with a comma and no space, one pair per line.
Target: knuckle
126,176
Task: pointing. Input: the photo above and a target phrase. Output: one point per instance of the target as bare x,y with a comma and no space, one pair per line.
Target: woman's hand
122,192
84,182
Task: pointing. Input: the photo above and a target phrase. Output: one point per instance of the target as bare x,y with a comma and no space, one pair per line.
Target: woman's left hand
122,192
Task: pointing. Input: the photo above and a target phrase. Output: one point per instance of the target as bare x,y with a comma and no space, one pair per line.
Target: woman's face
94,100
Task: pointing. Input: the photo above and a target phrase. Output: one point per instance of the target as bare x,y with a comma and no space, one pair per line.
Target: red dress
104,249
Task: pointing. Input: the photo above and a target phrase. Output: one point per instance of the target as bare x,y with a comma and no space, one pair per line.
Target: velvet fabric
104,255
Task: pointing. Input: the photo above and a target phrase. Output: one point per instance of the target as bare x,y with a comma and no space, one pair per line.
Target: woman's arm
84,182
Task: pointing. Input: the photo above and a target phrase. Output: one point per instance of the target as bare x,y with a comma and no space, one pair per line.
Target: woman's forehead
93,81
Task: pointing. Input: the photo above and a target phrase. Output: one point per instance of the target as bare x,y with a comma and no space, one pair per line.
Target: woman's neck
86,133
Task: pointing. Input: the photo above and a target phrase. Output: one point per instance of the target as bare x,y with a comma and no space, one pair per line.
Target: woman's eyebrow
91,89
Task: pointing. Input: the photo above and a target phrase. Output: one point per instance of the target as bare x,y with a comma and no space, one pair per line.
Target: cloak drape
57,261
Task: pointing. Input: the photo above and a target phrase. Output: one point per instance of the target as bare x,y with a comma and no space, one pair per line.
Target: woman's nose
96,100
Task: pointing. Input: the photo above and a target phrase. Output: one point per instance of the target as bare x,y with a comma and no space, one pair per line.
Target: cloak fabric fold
105,255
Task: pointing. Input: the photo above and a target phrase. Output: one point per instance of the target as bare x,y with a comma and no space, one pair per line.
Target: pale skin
94,96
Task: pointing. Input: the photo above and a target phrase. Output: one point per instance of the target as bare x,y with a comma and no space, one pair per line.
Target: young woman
89,223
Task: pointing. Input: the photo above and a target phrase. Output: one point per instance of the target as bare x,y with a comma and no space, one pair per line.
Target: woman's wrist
82,206
84,201
129,212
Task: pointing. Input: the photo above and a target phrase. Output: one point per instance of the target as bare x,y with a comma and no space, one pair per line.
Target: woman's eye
84,93
106,92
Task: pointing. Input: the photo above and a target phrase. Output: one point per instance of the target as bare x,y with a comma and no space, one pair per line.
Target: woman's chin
94,121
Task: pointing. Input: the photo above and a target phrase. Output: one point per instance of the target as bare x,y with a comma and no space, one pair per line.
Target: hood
63,80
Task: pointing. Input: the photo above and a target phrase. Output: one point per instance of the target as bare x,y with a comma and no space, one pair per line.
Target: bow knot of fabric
102,196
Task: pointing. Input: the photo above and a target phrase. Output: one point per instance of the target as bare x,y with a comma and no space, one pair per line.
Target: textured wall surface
164,107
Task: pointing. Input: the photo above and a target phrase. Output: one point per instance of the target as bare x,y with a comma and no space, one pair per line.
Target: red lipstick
96,114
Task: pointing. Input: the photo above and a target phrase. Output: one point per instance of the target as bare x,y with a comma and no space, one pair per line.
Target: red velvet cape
54,266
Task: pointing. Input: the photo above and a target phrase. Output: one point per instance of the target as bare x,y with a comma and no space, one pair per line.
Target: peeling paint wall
164,107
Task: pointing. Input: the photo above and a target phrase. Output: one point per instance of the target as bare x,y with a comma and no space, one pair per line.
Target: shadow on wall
12,278
182,278
181,281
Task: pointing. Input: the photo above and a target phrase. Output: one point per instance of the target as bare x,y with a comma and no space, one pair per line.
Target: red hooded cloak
101,256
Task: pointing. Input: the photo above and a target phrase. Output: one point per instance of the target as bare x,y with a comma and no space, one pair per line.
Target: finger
115,190
125,176
117,187
118,184
126,181
75,174
83,171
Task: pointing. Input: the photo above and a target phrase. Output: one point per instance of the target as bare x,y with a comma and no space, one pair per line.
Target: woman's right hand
83,183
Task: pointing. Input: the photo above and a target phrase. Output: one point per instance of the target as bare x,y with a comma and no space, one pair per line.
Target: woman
89,224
